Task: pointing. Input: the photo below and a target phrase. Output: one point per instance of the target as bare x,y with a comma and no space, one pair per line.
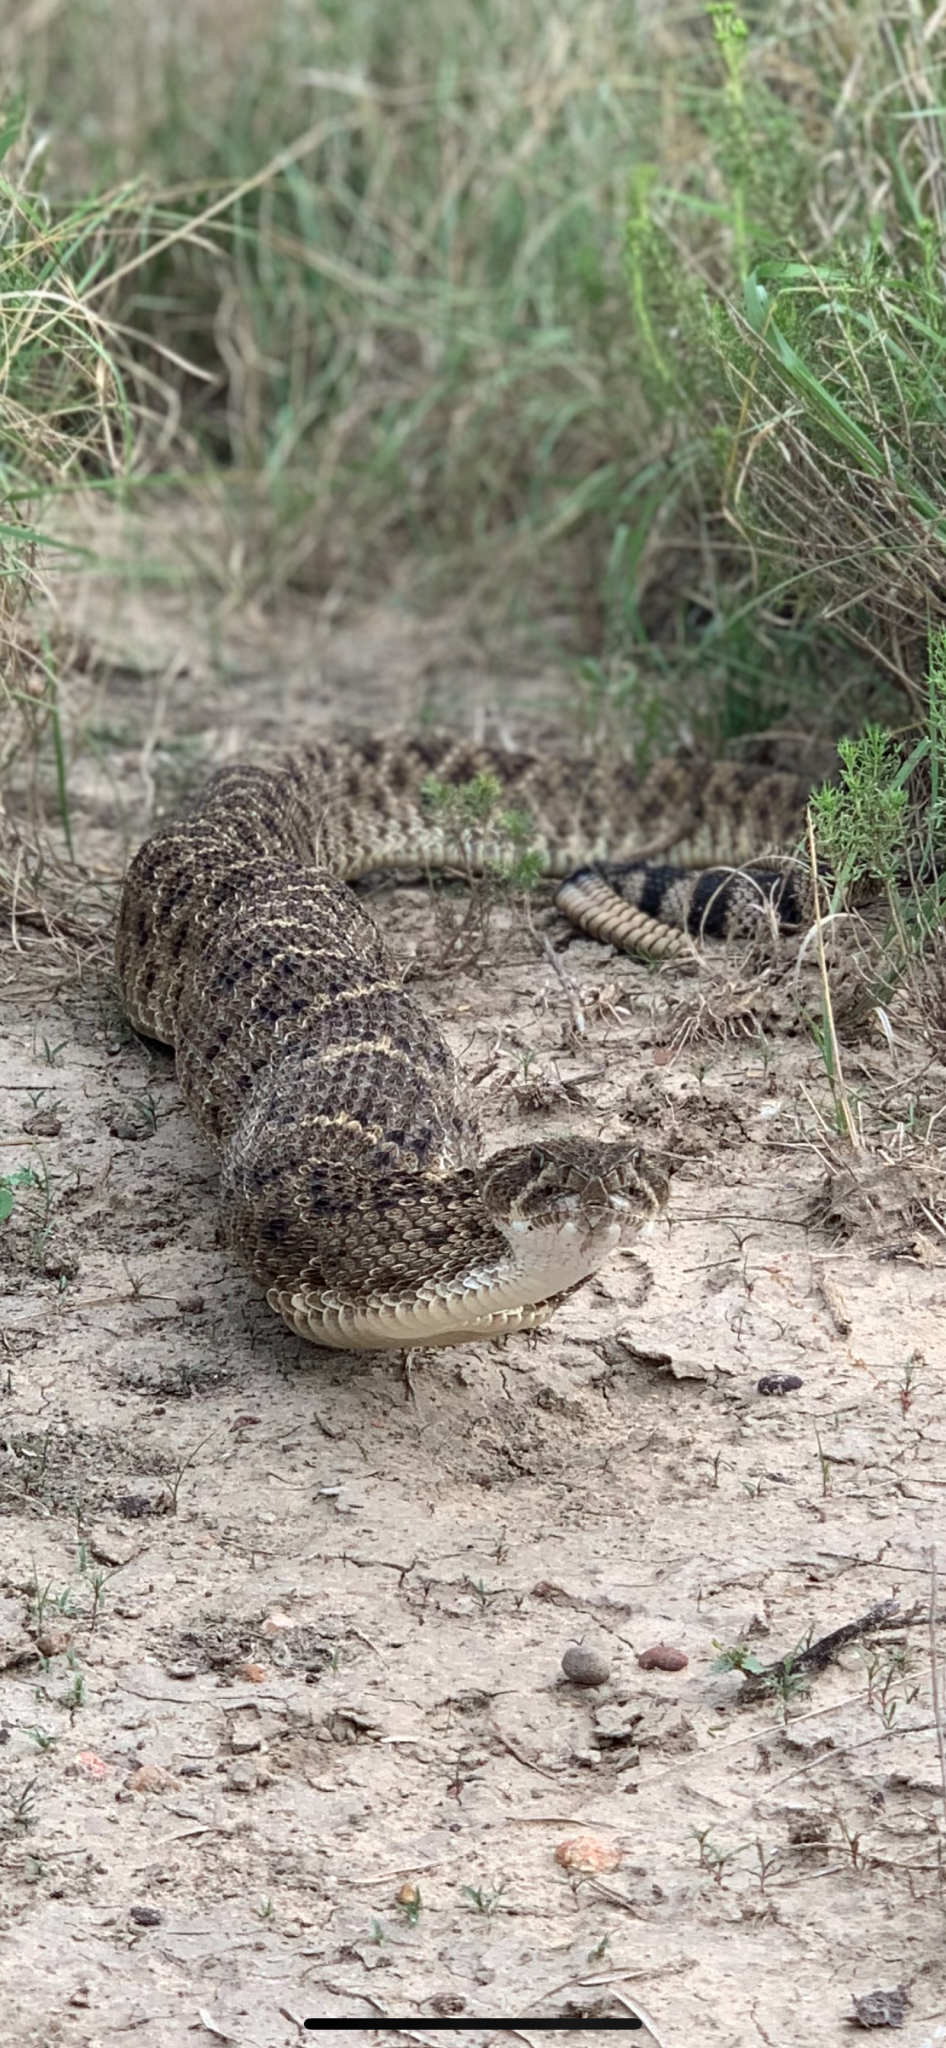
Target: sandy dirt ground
283,1726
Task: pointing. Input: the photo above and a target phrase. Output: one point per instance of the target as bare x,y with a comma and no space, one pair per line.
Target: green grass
84,411
884,821
416,323
69,423
629,315
10,1183
812,326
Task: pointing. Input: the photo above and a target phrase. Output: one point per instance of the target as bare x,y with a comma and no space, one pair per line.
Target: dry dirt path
283,1725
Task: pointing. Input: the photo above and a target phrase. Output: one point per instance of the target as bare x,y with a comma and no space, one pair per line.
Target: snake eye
536,1159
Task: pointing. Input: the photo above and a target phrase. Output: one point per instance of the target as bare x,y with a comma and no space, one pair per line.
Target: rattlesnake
351,1174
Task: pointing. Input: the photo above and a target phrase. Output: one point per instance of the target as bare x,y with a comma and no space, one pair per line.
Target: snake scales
352,1179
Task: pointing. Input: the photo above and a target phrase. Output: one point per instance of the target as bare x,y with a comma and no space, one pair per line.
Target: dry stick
367,1999
934,1220
836,1075
519,1755
574,1000
168,677
610,1982
812,1762
934,1670
407,2034
640,2012
312,139
820,1653
836,1304
801,1721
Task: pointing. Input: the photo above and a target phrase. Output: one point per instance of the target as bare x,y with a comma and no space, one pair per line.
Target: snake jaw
557,1209
564,1205
554,1258
544,1264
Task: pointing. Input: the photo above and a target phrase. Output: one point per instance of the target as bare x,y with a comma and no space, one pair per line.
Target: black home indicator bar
521,2021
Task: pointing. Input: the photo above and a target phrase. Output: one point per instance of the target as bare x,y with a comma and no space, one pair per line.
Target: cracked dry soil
284,1729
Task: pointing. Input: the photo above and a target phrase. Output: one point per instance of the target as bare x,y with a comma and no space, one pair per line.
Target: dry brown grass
477,313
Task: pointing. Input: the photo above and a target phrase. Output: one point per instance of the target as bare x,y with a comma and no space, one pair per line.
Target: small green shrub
10,1183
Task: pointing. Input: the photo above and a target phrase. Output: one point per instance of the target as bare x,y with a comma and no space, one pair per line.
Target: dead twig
935,1677
830,1049
520,1755
579,1026
835,1303
820,1653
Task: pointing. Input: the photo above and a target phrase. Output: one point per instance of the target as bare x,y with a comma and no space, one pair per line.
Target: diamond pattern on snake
353,1180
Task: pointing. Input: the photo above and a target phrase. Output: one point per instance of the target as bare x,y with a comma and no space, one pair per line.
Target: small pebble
243,1776
662,1658
53,1642
151,1778
133,1505
779,1383
60,1266
131,1129
90,1765
244,1741
45,1124
276,1622
108,1549
588,1852
880,2009
585,1667
145,1916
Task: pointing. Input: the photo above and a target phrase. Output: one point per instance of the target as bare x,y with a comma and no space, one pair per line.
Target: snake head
589,1184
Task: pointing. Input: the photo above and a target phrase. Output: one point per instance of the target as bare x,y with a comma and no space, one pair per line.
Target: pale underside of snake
352,1176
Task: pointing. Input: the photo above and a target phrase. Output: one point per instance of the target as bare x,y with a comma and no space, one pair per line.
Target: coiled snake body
351,1173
